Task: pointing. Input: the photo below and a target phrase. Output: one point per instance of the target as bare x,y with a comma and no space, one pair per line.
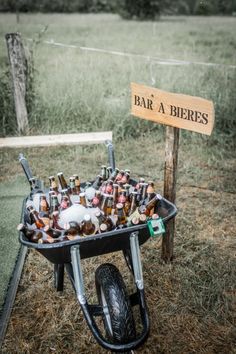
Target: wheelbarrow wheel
117,311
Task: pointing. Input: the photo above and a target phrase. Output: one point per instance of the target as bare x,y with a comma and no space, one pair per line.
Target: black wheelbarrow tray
115,305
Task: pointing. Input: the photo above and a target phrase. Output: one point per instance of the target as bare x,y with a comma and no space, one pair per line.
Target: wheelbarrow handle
111,156
25,166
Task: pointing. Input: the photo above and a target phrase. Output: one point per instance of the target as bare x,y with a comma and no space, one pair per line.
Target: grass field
191,302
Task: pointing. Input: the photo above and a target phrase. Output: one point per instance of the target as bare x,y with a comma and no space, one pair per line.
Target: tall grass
78,91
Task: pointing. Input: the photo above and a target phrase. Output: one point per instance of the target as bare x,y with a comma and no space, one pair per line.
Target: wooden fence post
18,65
170,175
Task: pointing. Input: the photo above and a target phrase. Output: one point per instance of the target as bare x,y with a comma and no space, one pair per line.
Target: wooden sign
177,110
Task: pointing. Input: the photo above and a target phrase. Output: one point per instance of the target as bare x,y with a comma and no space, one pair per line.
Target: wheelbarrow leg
59,276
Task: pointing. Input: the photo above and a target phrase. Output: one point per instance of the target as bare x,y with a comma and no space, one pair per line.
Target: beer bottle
138,186
143,192
72,228
53,184
66,193
54,203
127,204
36,219
126,177
62,181
82,199
114,174
150,191
104,172
52,232
102,219
109,187
134,203
55,218
88,228
25,230
103,228
122,197
143,219
134,221
43,204
109,171
109,205
120,175
104,204
149,208
98,182
103,187
65,203
32,235
47,239
72,185
77,184
115,193
121,217
96,202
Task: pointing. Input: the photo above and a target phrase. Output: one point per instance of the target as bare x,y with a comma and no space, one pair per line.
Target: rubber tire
109,281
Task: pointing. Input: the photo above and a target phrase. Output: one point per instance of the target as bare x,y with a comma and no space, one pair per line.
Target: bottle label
156,227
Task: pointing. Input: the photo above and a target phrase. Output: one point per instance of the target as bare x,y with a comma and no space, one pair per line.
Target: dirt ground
192,302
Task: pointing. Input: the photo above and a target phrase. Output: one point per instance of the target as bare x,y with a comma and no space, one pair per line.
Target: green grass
11,200
77,90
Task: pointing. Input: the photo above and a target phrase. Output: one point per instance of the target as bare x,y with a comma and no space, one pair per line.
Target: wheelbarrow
114,303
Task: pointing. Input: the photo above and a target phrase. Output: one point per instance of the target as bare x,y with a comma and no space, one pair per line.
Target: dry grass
191,302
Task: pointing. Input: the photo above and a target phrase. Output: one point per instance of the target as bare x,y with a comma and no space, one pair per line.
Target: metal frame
74,270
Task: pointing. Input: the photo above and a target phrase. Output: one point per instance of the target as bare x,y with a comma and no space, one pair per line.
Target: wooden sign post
18,64
176,111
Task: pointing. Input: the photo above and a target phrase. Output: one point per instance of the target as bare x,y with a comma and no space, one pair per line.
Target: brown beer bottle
53,184
121,217
66,193
32,235
115,193
109,205
144,192
72,185
52,232
88,228
54,203
96,202
82,199
77,184
55,218
25,230
98,182
150,191
65,202
43,204
122,197
104,204
120,175
103,228
62,181
134,202
114,174
104,172
109,187
104,220
72,228
36,219
109,171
